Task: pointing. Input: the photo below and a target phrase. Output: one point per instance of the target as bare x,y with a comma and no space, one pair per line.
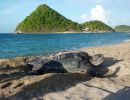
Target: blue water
12,45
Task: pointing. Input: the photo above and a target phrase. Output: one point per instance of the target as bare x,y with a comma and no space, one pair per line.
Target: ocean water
14,45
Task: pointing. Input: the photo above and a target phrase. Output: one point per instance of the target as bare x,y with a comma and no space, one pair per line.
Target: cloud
99,13
96,13
84,17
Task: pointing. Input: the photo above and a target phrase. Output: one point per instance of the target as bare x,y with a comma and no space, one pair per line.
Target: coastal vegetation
97,26
122,28
46,20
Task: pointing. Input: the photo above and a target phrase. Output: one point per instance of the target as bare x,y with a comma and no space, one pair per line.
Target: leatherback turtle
67,62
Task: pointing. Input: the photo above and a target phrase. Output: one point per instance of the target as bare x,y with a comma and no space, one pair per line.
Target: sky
111,12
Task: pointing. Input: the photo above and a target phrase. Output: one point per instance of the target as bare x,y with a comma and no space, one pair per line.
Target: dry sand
117,55
74,86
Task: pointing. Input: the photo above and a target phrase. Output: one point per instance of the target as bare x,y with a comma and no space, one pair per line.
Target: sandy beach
117,55
19,86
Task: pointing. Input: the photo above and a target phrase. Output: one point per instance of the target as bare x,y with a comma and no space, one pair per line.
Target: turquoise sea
14,45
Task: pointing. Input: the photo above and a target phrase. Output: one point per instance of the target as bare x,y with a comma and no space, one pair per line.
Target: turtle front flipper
96,60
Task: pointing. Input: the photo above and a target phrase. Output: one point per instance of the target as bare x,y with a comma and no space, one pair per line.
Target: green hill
44,20
97,26
122,28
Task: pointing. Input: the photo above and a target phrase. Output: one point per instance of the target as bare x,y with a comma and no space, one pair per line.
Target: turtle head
96,60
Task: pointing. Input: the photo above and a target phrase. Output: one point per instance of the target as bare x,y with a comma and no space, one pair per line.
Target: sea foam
128,40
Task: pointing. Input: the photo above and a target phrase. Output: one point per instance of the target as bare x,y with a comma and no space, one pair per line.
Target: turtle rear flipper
110,73
96,60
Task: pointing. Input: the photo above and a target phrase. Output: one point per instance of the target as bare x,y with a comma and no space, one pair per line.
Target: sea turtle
67,62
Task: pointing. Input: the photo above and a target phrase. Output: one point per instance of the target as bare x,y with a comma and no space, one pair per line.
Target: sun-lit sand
74,86
117,55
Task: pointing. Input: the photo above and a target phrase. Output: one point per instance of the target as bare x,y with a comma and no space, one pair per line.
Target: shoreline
16,85
119,52
65,32
105,45
78,49
114,51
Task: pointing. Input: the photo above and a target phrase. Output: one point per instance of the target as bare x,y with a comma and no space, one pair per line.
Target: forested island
122,28
46,20
97,26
